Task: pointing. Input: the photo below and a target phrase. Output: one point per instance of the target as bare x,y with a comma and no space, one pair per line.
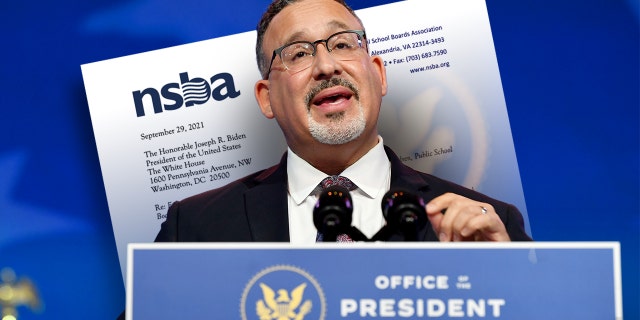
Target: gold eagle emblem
282,307
14,293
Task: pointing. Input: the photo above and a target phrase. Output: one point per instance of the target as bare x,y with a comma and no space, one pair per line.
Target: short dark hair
274,8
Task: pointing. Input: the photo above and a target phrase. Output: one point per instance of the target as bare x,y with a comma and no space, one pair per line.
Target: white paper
447,116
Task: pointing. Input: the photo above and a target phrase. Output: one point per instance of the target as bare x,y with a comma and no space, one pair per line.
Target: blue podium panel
374,280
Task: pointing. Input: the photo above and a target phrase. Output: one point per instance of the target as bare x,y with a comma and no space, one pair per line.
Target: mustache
325,84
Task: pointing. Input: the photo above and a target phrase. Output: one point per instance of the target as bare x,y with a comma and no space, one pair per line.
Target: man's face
332,101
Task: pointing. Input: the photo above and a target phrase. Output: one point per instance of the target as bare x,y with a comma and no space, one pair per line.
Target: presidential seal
283,292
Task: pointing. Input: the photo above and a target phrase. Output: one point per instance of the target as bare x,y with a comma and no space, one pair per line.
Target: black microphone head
332,214
402,209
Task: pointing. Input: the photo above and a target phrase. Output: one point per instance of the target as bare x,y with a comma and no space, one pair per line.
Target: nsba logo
188,92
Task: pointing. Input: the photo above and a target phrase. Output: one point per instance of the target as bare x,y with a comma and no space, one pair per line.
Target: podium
535,280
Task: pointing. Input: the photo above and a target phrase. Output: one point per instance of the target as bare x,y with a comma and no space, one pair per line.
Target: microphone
332,214
404,212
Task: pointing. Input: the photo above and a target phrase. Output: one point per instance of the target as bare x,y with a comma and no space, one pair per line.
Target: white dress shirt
372,175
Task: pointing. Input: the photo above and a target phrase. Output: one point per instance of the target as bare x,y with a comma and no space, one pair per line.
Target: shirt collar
365,173
302,177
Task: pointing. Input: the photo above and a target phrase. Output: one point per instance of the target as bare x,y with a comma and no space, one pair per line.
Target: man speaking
325,91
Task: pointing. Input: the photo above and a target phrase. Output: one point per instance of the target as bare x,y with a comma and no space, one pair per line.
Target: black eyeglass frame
362,36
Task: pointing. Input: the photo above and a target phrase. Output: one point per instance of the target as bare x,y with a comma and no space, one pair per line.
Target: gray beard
339,130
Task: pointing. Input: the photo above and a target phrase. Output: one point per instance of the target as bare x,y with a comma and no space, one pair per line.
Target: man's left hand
465,219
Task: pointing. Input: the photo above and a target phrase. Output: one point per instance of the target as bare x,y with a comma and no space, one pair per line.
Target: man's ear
381,72
261,91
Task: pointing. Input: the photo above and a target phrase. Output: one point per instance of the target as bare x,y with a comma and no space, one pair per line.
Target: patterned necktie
336,181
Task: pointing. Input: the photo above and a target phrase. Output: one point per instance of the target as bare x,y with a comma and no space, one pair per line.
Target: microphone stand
403,211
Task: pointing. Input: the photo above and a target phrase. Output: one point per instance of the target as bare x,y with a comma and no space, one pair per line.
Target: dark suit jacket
254,208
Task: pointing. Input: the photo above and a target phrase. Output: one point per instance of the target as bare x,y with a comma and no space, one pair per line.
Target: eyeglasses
299,55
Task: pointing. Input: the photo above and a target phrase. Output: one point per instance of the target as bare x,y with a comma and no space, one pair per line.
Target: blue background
570,73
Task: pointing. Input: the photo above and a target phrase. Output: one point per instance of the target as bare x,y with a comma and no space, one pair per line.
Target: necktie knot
337,181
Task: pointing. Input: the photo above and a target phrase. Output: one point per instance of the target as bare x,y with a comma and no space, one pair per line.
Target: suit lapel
403,177
266,205
266,201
